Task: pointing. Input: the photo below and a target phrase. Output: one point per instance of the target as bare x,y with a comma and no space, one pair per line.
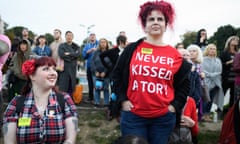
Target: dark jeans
154,130
90,84
208,105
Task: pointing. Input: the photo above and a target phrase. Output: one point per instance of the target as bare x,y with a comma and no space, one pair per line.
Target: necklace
41,108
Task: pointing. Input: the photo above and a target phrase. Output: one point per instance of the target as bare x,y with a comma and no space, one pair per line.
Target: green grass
95,129
208,137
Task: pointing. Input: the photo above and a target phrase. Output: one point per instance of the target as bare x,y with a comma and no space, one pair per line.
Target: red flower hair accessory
28,67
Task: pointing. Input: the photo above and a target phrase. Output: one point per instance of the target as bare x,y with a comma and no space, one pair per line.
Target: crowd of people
152,86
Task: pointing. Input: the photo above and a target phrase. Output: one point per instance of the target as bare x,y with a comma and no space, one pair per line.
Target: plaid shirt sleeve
10,114
70,108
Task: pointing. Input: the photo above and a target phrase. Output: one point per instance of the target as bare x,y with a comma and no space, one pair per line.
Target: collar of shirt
120,50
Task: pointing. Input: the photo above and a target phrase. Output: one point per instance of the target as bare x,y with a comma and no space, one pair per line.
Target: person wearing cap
16,79
87,53
5,48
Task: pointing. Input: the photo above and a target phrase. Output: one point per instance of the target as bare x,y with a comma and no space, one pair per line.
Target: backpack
21,99
181,134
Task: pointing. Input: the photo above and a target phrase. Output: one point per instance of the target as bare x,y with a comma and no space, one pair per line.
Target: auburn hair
165,7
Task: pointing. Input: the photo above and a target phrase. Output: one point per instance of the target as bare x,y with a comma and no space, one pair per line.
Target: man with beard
54,48
25,35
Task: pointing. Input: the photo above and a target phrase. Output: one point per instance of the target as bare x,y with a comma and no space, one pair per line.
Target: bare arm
9,131
71,130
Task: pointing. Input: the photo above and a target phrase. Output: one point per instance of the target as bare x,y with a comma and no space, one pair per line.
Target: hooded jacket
18,59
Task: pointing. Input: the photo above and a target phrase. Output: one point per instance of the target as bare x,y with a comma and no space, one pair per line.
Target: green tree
49,38
238,32
5,26
189,38
17,32
221,35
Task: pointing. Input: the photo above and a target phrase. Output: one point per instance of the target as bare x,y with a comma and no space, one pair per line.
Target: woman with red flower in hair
46,115
150,78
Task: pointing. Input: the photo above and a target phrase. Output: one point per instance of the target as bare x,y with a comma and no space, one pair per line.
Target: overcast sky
112,16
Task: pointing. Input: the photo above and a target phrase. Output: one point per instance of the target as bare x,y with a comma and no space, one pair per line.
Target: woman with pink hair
150,78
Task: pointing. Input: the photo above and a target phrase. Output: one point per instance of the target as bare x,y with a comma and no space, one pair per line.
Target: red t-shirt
190,110
152,69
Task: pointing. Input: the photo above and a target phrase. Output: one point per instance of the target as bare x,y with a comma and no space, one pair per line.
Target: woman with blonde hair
100,74
212,67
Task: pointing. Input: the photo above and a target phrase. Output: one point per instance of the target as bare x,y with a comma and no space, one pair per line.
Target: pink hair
165,7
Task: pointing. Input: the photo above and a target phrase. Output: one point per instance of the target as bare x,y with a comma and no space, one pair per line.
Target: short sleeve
10,114
70,108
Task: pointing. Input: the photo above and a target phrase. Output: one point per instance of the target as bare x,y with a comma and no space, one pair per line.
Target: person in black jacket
109,59
202,39
100,74
228,74
150,78
68,51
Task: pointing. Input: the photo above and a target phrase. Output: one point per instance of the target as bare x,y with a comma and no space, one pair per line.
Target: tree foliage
221,35
49,38
17,32
189,38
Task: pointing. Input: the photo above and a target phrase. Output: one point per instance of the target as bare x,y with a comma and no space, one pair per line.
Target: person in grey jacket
212,67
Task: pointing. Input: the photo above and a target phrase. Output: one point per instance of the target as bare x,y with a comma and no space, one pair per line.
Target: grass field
95,129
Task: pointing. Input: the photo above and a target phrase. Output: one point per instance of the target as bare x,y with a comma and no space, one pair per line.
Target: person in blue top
87,53
42,49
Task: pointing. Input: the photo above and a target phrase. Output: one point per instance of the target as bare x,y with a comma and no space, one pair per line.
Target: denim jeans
208,105
90,84
105,90
154,130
